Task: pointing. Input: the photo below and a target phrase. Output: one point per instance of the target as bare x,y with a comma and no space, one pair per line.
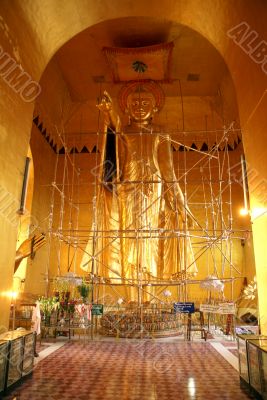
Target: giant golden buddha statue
141,218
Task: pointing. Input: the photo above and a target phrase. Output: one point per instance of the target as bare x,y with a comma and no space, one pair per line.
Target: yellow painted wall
15,128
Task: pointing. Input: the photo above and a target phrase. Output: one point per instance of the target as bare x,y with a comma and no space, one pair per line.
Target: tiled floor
232,347
123,370
41,347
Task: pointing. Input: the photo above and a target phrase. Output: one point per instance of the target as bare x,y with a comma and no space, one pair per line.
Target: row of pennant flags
86,143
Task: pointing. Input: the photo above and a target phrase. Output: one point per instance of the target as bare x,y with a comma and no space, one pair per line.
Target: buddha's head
141,106
141,101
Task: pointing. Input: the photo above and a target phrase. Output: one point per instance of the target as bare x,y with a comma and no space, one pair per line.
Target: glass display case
263,369
3,363
15,361
19,356
28,354
242,354
23,316
257,365
253,365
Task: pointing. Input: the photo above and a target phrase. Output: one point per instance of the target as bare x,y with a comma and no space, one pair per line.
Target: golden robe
141,217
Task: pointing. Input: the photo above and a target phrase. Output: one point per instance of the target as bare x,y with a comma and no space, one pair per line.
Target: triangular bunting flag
204,147
61,151
84,150
193,146
95,150
36,120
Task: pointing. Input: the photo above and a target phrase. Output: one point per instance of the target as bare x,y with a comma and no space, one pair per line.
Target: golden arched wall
32,32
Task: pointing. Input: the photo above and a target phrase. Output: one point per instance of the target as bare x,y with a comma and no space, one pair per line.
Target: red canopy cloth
142,63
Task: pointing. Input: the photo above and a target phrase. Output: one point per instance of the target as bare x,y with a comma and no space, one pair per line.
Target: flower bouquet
84,289
47,306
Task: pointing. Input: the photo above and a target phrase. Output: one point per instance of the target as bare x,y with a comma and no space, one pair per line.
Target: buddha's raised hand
29,247
105,104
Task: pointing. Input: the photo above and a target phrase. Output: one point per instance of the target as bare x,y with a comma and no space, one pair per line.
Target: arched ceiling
82,61
82,68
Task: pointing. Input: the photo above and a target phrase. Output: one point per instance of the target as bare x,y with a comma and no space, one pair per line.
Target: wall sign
221,308
184,307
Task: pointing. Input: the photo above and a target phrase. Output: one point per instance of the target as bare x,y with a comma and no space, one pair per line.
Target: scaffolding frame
209,238
75,237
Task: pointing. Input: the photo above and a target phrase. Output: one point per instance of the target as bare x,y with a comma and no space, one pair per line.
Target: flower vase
82,322
47,319
65,296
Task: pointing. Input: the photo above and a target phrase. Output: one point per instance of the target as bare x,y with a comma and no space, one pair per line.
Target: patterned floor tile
147,370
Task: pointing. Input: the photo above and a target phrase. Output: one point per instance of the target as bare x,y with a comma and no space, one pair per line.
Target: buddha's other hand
105,104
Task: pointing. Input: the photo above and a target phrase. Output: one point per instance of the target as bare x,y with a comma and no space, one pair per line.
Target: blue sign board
186,307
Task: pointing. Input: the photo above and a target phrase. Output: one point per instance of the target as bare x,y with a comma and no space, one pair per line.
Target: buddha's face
141,106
